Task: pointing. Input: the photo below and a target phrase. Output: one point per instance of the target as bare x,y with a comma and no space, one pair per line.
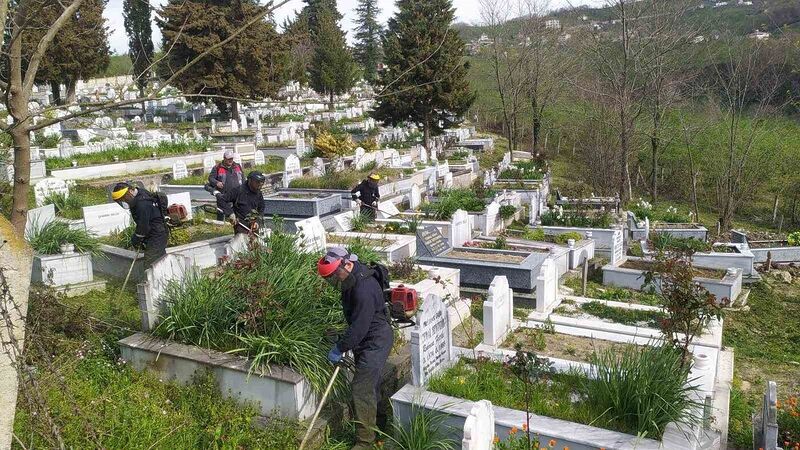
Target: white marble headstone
213,125
170,268
414,197
208,164
431,340
47,187
387,210
179,170
492,218
359,159
338,165
460,228
448,180
258,158
292,170
39,217
318,168
312,237
479,427
547,286
498,311
234,126
300,146
105,219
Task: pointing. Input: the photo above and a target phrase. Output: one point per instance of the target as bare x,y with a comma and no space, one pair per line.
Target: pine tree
368,35
251,66
314,9
140,40
79,51
333,70
425,77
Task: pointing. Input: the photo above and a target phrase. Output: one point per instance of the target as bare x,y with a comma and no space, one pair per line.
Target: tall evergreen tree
79,51
425,77
251,66
314,9
368,36
333,70
140,40
300,47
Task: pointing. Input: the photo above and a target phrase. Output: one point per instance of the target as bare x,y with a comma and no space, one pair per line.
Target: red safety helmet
327,265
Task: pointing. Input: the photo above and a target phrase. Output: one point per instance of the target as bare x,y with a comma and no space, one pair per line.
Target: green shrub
563,238
623,315
366,254
575,219
426,431
47,240
451,200
794,238
359,222
666,241
507,211
641,389
251,308
534,234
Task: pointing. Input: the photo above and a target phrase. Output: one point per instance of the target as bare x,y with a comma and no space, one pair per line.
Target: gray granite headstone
430,242
765,422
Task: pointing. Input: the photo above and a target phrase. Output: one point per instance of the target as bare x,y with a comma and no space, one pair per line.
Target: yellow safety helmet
375,176
119,192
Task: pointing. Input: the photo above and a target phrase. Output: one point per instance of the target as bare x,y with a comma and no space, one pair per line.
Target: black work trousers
155,247
370,358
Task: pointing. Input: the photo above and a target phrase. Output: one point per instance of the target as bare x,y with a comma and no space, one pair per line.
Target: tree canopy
368,39
333,70
425,76
251,66
140,38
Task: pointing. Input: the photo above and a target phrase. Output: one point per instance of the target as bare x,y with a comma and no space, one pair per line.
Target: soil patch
698,271
495,257
558,345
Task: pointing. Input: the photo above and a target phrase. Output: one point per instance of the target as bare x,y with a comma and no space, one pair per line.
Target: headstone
358,160
479,427
318,168
492,215
533,210
423,154
243,120
387,210
498,311
448,180
414,198
765,422
179,170
430,242
312,235
47,187
431,341
120,122
432,182
105,219
38,218
300,146
234,126
208,164
379,158
292,170
547,286
213,125
258,158
338,165
170,268
394,160
342,221
182,198
237,245
237,158
460,229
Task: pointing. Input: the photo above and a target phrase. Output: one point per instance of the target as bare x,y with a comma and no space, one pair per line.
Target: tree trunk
654,147
426,133
331,106
144,105
22,176
537,125
55,88
775,210
71,96
235,110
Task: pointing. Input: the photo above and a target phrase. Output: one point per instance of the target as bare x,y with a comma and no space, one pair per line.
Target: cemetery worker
369,334
367,192
224,177
151,229
244,204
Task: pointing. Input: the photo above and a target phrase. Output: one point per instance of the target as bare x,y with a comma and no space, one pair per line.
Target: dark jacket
230,177
241,201
369,192
147,215
364,309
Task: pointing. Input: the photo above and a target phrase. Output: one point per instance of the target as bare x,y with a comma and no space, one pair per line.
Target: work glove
335,355
232,219
136,241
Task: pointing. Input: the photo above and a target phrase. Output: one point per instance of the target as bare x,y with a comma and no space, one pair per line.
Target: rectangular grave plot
301,204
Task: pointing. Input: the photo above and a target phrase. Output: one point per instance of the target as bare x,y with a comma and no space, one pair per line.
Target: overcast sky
466,11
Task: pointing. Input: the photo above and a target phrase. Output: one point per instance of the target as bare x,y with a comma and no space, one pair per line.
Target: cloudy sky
466,11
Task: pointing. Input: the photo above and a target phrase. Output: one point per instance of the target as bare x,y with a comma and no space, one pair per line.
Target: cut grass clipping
47,239
251,308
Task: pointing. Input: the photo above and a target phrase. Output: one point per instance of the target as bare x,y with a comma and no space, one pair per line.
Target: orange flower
496,439
524,427
552,443
566,448
514,430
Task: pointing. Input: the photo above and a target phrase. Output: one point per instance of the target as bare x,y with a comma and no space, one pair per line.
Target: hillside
765,15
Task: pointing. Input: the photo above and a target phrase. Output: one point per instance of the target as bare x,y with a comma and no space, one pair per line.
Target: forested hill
765,15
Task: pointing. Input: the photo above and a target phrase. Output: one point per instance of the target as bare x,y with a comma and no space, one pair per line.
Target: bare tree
17,86
508,62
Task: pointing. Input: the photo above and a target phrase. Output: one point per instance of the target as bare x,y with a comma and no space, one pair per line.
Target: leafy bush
407,271
645,210
563,238
329,145
794,238
507,211
668,242
534,234
575,219
426,431
641,389
369,145
49,141
359,222
251,307
451,200
365,252
47,240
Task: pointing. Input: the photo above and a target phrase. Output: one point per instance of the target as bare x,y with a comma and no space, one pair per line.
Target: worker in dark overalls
151,229
244,205
368,194
224,177
369,335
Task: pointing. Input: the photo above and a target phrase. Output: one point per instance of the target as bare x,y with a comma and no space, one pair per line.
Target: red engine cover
177,212
406,297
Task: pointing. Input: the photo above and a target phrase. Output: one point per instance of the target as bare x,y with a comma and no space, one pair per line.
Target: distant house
759,35
552,24
720,4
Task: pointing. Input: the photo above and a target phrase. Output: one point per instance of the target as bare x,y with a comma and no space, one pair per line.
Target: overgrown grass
129,153
666,241
47,239
576,219
185,234
427,430
251,308
623,315
522,170
451,200
601,292
71,207
346,179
